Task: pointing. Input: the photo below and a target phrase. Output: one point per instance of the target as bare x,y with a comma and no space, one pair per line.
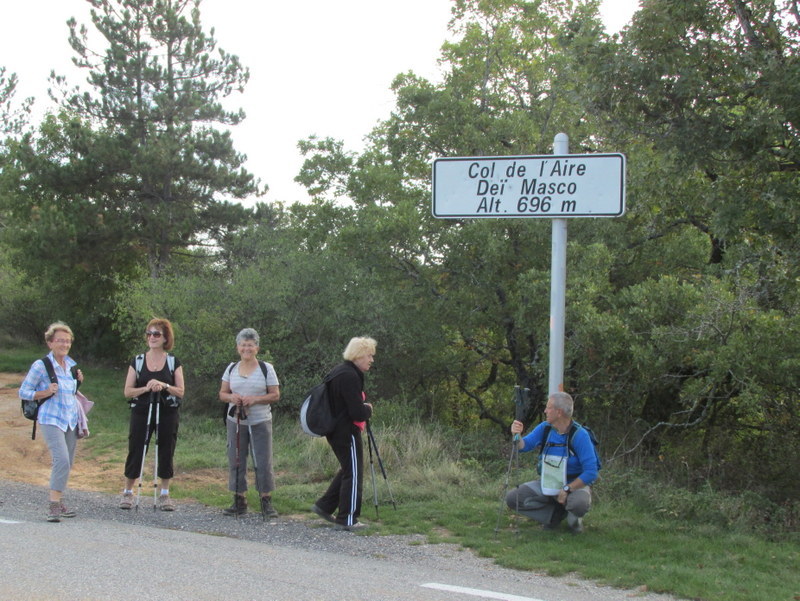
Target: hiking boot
322,513
126,502
357,527
54,513
267,510
66,513
165,503
238,507
575,523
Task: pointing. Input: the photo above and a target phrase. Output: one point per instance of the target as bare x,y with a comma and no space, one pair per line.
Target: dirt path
26,460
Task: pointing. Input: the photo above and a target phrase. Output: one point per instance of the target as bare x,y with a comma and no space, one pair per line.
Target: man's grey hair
563,402
247,334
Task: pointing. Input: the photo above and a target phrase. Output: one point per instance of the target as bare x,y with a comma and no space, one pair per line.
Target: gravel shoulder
28,502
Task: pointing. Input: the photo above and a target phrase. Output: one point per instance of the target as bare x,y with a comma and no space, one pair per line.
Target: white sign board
551,186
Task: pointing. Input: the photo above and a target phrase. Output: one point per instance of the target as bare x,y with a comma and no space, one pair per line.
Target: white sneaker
357,527
575,523
126,502
165,503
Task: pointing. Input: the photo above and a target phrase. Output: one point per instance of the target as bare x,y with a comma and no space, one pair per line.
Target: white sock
126,491
165,491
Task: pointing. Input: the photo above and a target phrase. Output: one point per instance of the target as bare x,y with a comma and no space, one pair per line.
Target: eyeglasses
154,334
549,462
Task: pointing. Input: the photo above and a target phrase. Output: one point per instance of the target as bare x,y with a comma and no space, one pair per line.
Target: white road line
5,521
476,592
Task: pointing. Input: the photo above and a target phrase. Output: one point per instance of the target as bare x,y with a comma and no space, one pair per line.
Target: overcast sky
316,67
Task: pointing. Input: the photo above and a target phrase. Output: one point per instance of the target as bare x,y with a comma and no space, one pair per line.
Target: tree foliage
156,91
12,117
664,304
133,173
682,316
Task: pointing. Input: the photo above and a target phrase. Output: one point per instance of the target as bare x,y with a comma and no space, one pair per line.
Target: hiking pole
238,461
144,451
514,455
255,468
155,456
374,444
372,471
521,402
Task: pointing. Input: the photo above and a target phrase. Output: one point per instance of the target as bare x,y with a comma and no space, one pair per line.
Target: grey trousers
261,446
528,500
62,453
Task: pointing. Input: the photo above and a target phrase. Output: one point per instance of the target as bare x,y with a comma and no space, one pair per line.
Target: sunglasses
154,334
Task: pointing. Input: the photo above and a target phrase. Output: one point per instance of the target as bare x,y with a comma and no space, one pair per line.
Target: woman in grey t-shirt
249,387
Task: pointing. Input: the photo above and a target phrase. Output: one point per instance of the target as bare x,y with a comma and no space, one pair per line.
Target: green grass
18,360
625,546
443,492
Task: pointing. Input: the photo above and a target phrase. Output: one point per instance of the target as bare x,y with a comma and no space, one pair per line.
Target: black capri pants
139,435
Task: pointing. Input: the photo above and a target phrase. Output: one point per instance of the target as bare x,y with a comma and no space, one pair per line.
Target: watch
567,489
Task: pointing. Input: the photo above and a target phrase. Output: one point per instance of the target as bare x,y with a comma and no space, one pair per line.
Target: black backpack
571,450
316,412
30,409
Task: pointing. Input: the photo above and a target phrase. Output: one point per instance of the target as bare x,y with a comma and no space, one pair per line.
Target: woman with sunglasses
155,386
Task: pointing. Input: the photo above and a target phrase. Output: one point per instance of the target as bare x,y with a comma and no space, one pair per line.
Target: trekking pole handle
517,435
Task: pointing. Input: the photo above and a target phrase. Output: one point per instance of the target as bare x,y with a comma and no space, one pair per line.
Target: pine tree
155,97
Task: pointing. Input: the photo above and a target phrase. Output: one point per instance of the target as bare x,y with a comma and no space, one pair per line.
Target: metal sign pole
558,286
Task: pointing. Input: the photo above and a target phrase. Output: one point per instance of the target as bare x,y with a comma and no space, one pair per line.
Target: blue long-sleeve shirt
61,410
582,464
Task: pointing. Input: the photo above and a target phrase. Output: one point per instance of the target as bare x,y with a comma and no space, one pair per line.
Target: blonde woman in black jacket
346,391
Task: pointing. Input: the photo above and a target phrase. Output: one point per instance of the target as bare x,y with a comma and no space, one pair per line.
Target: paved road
89,559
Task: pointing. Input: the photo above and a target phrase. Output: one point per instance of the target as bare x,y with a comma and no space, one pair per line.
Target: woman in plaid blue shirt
58,415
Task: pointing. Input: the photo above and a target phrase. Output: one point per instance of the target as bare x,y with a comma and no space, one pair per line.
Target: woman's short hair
563,402
247,334
359,347
166,328
57,326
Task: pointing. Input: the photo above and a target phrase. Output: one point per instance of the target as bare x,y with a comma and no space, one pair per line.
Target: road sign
549,186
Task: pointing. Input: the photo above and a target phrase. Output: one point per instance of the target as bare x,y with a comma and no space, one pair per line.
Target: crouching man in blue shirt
567,468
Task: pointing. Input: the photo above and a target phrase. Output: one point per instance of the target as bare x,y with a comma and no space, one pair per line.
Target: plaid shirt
61,410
